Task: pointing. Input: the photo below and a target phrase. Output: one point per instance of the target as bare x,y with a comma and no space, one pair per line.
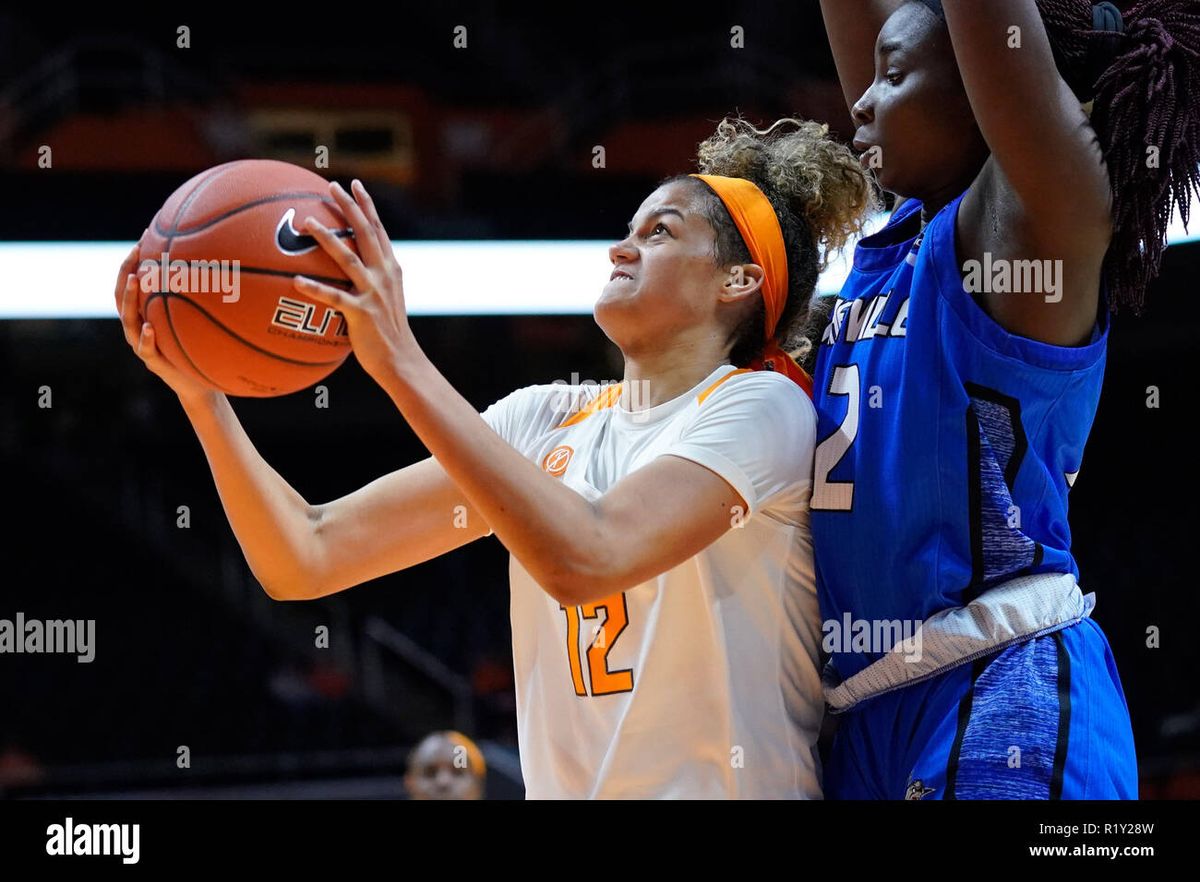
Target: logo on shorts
556,460
916,789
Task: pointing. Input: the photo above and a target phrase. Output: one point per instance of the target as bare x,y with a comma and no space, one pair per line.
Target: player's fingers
322,293
131,319
368,207
147,350
128,265
341,253
364,233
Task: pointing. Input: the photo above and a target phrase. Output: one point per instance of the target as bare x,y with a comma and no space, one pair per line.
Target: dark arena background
494,142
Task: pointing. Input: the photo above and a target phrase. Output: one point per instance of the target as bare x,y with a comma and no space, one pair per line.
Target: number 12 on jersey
616,618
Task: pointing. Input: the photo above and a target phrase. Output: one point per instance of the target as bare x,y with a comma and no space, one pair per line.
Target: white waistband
1010,612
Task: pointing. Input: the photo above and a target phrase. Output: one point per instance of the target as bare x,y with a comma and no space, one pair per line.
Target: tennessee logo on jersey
556,461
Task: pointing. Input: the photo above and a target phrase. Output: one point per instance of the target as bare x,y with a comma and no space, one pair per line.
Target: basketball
216,268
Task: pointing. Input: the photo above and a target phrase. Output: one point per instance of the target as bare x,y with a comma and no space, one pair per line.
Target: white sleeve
504,416
501,417
524,416
758,432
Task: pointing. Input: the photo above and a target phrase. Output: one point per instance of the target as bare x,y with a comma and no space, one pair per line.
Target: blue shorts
1043,719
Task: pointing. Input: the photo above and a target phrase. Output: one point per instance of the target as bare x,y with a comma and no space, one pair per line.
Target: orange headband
757,222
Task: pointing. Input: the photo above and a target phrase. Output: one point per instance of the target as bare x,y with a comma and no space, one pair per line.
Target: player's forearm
552,530
272,522
852,26
1032,123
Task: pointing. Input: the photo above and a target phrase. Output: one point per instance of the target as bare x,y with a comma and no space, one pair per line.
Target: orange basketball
216,273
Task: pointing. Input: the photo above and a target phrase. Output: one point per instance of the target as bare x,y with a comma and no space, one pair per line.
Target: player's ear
741,282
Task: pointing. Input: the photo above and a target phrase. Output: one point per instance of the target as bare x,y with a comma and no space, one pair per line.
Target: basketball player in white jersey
664,616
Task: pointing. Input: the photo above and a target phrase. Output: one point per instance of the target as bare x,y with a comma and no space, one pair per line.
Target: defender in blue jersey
958,379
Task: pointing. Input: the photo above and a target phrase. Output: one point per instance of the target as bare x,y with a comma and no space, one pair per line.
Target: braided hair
1140,70
1144,83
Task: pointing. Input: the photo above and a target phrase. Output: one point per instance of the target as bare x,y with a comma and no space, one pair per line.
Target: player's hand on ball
376,317
139,333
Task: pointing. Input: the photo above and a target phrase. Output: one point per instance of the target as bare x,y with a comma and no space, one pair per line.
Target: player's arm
752,438
1052,186
577,550
299,551
404,518
853,26
653,520
646,524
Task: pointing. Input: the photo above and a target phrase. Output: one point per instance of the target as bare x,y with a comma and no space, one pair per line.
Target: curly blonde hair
821,195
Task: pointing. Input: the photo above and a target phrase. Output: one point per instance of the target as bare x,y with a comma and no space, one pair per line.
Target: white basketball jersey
702,682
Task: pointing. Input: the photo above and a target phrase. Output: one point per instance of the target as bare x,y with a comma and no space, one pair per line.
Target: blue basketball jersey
946,446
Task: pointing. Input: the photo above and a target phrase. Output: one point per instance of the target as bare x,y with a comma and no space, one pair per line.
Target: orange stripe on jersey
607,398
713,388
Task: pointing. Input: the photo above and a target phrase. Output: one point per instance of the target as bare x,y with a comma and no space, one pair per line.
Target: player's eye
894,77
659,226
